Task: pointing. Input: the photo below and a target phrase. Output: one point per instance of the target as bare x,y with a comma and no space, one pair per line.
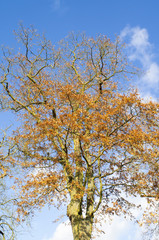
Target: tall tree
85,136
7,216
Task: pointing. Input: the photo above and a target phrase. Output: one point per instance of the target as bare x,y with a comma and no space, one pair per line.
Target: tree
86,136
7,216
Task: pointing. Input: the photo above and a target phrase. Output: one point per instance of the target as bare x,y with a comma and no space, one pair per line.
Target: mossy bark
81,227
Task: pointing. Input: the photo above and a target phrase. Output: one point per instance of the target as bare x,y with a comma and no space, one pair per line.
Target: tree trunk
81,227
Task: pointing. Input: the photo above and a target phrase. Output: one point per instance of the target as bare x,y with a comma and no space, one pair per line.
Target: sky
136,22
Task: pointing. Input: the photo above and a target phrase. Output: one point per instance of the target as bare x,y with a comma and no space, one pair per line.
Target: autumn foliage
85,136
8,218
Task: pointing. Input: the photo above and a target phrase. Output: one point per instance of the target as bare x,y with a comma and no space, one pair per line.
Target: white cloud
63,231
120,228
152,74
138,44
140,38
140,49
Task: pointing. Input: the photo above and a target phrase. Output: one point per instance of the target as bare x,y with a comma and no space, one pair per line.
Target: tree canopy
86,137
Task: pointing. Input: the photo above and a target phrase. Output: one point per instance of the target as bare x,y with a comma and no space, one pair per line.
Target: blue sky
136,21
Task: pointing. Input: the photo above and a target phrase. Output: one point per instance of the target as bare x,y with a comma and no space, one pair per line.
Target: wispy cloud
59,6
63,231
138,43
56,5
140,49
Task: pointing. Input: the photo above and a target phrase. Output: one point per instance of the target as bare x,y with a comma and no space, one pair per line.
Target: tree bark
81,227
